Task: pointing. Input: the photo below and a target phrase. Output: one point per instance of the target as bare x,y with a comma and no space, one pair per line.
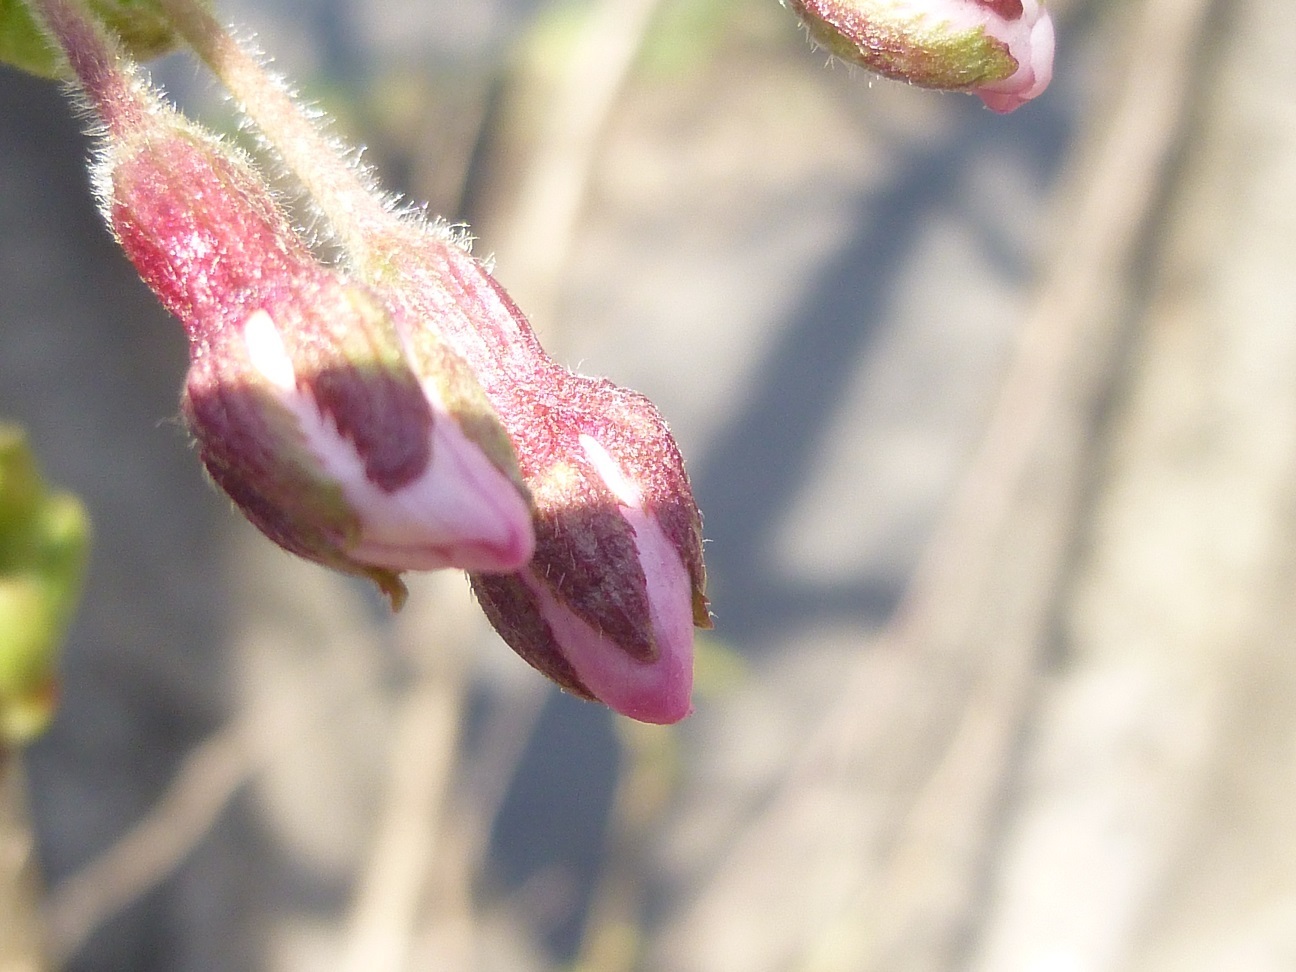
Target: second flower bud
347,435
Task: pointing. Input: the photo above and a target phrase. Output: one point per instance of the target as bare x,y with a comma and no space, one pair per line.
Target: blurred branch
20,934
613,939
148,853
543,220
889,812
441,147
1001,554
385,914
1152,817
452,922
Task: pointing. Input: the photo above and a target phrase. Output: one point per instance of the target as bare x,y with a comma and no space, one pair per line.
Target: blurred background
993,424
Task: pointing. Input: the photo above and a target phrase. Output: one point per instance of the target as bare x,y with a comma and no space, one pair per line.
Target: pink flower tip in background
1000,50
1027,31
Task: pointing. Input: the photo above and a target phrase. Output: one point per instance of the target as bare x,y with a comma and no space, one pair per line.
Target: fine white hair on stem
322,230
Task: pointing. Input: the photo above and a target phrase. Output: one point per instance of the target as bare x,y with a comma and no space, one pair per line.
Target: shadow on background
751,476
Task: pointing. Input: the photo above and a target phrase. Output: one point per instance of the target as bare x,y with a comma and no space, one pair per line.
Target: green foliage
141,25
683,34
44,539
687,34
718,668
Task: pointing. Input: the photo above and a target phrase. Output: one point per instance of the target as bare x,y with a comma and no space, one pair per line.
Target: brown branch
385,913
544,218
147,854
20,929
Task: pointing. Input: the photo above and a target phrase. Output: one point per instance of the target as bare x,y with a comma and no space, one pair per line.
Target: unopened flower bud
1000,50
348,434
608,605
301,393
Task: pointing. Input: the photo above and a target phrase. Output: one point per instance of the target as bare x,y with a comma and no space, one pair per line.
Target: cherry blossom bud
348,434
301,393
608,605
1000,50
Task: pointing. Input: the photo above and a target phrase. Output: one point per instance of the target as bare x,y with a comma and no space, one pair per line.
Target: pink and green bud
334,438
1000,50
348,434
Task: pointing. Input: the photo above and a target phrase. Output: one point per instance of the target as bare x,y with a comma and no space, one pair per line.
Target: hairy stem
338,187
104,72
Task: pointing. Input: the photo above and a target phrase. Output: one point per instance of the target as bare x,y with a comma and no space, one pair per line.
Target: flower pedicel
1000,50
